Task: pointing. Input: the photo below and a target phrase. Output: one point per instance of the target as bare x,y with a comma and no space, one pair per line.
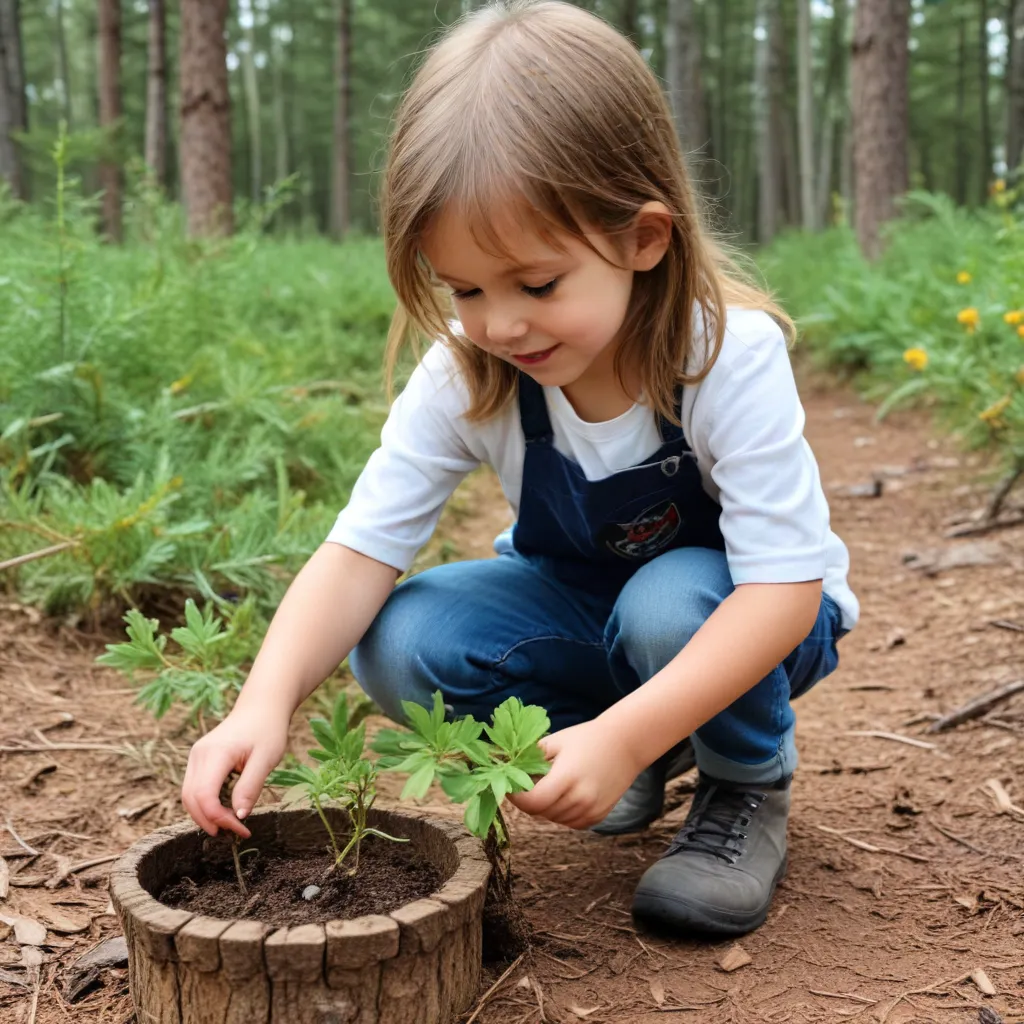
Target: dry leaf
734,958
658,991
581,1013
5,879
981,979
31,956
968,902
27,932
524,982
1002,798
57,921
5,931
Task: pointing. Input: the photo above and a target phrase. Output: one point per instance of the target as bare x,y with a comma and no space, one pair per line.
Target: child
671,576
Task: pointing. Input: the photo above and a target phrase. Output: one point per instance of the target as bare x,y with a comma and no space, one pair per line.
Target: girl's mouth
533,358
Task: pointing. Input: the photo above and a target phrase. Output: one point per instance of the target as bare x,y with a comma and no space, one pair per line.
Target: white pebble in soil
311,892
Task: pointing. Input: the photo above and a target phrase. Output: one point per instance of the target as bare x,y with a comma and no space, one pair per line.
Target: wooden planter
420,964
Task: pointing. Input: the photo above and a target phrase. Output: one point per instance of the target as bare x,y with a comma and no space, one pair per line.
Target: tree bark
805,116
340,178
109,24
156,93
12,97
880,80
205,117
1015,86
682,74
983,101
764,100
833,113
63,70
252,101
282,158
961,146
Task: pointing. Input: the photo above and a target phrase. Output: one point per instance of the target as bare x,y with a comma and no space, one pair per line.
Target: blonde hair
542,105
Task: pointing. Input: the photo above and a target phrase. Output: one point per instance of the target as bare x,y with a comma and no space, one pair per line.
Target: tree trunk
205,117
63,71
340,190
252,101
960,148
764,107
833,113
880,80
1015,86
110,114
983,82
156,94
682,74
281,158
805,116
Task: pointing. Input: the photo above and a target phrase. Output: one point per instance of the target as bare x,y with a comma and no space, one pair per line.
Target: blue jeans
483,631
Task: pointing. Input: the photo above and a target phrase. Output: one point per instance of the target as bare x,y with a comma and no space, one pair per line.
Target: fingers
200,791
249,786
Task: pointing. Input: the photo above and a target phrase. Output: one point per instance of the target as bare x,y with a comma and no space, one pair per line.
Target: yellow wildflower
181,384
969,317
999,185
916,358
1019,377
964,277
1020,331
995,410
1014,317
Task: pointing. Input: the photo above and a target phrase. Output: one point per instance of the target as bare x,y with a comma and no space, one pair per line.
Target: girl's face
555,313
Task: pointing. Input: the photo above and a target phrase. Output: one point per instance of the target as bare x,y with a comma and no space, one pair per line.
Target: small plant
342,775
202,673
471,770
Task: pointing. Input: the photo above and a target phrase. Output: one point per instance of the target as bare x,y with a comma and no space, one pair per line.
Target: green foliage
471,770
341,775
177,415
938,319
200,671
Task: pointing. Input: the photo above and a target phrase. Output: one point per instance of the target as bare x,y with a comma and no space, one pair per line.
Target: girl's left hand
591,769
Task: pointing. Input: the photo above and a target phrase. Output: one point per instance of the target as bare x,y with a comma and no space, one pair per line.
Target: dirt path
904,876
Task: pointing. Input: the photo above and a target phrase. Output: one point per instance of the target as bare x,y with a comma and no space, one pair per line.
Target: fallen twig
21,842
920,992
1015,627
33,556
871,848
494,988
843,995
977,707
84,865
957,839
1002,798
894,736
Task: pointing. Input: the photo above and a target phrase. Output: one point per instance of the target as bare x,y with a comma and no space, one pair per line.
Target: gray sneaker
644,801
720,871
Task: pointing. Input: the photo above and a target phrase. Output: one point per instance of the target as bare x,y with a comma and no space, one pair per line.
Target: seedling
471,770
342,774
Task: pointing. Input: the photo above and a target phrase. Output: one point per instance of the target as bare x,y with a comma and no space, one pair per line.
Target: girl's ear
651,236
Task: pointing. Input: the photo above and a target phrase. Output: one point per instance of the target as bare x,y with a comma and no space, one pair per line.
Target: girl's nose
504,326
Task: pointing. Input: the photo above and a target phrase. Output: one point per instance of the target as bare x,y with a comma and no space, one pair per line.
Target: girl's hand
247,742
592,768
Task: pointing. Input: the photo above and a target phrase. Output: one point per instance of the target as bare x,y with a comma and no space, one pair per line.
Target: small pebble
310,892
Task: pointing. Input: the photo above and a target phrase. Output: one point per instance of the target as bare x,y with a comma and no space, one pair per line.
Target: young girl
671,578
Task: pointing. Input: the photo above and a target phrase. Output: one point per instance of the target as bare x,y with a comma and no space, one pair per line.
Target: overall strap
533,410
670,431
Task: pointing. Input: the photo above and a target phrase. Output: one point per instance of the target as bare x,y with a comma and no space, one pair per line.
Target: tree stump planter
420,964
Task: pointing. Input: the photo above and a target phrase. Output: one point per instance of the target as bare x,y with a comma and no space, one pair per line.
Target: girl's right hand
247,742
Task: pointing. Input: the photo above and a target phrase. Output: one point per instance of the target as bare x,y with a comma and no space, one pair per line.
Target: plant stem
235,843
330,831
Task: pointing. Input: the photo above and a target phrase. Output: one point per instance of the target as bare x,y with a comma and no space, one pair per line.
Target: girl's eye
462,296
542,291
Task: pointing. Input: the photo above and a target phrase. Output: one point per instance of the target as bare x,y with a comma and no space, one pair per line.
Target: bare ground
905,875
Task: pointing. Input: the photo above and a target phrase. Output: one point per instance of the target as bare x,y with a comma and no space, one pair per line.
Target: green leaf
519,780
351,746
320,755
419,721
324,734
395,743
340,716
480,813
532,762
419,782
462,786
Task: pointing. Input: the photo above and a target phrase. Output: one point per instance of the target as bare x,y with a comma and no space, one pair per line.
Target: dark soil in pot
390,875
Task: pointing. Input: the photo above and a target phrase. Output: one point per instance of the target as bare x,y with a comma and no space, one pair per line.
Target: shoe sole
676,914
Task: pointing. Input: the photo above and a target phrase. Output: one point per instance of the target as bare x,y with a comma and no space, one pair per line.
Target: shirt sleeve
398,498
775,518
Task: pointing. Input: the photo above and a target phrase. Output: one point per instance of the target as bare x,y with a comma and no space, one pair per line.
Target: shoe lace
716,821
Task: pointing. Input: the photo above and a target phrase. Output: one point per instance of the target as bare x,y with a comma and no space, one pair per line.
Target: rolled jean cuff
775,768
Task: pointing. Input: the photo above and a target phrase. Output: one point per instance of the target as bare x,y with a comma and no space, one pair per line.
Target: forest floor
906,876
